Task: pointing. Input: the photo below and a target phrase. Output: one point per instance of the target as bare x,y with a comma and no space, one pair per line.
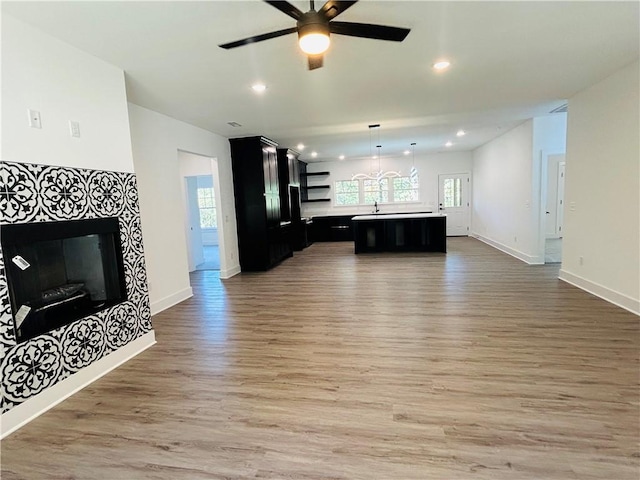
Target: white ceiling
510,61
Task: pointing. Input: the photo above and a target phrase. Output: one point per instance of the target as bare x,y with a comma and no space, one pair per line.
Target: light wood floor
470,365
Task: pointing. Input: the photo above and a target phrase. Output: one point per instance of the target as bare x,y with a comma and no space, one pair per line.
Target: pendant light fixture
375,174
413,173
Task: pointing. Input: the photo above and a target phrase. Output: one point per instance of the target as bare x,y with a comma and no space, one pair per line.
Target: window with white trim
405,189
366,191
452,192
376,191
207,207
347,192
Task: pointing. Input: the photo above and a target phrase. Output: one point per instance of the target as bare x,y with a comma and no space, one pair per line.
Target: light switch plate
34,119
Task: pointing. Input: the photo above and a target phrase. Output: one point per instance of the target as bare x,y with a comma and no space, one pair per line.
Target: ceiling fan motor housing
312,22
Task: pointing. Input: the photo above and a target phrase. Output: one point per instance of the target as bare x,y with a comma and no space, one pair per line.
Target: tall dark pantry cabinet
263,237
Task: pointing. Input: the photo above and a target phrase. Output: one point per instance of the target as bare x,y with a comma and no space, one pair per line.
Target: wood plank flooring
470,365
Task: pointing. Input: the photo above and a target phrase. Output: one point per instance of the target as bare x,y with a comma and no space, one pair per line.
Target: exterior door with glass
453,199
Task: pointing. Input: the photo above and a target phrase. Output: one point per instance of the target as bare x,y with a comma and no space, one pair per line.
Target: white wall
63,83
428,166
509,186
156,141
502,193
602,204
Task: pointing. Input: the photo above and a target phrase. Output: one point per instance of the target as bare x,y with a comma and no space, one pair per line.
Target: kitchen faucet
375,205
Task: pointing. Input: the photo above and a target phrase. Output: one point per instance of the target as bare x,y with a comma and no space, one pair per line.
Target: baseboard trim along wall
530,259
230,272
35,406
171,300
611,296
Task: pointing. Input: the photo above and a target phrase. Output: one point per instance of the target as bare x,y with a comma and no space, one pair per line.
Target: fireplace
59,272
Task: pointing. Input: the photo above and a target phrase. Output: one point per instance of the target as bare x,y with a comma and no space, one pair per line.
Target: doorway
453,200
554,208
202,222
203,216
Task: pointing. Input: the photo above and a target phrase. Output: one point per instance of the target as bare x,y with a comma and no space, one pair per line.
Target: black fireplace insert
58,272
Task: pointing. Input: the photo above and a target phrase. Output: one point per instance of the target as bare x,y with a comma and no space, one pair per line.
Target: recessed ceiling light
448,144
442,65
300,146
406,152
314,154
461,133
341,157
259,87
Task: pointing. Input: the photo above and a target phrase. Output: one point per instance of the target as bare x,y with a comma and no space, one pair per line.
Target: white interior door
194,232
555,195
453,199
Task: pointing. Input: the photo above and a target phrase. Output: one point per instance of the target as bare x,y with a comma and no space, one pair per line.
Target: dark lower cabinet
338,228
263,236
300,234
428,234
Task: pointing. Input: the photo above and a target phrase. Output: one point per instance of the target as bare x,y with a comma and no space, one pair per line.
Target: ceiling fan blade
286,8
367,30
258,38
315,61
333,8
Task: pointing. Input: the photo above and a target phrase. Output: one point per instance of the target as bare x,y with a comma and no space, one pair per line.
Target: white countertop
397,216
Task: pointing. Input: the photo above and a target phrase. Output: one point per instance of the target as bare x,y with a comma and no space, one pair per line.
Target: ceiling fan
313,29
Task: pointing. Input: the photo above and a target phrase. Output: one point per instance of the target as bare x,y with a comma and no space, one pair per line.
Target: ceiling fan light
314,43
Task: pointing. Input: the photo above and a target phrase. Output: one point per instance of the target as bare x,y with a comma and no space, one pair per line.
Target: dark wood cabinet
400,233
263,236
290,196
333,228
289,184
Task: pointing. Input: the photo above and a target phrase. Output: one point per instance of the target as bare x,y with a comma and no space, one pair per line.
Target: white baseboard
611,296
230,272
173,299
530,259
49,398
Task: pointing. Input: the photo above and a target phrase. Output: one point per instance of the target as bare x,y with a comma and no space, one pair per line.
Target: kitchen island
400,232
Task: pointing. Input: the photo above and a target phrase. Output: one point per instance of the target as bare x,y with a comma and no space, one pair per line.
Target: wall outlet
515,239
74,128
572,206
34,119
581,260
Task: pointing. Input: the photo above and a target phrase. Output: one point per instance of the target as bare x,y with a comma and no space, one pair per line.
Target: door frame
562,176
469,195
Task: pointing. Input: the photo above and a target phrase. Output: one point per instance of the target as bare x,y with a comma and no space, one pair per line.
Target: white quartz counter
397,216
